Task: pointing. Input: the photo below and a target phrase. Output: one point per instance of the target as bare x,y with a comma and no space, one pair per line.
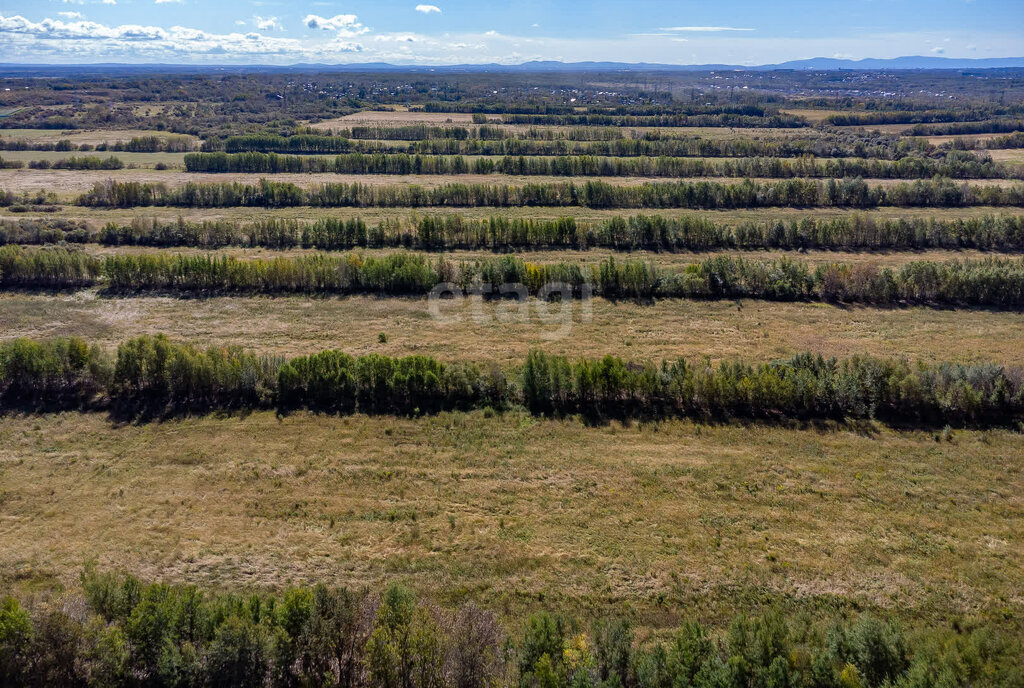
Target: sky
745,32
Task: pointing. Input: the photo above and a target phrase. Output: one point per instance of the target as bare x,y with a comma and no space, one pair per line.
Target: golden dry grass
750,330
668,519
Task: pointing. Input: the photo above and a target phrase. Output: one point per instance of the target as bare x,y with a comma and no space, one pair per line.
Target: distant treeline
501,233
87,162
155,376
854,193
120,631
927,116
1014,140
957,164
766,120
139,144
988,282
485,140
647,110
994,126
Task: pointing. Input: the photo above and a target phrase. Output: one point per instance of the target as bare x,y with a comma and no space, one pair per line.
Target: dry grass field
520,512
660,521
749,330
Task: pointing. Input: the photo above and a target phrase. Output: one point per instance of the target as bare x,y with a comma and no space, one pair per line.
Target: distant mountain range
816,63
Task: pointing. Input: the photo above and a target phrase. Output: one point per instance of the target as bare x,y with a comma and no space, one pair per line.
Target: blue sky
464,31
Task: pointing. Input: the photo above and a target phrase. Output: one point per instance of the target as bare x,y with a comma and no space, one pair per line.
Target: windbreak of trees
120,631
774,120
990,282
850,192
992,126
611,142
47,268
956,164
138,144
152,376
924,116
502,233
87,162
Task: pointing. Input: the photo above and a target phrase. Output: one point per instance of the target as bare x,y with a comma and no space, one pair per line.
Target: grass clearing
667,520
749,330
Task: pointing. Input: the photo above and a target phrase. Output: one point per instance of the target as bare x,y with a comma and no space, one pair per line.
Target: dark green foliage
176,635
58,373
153,375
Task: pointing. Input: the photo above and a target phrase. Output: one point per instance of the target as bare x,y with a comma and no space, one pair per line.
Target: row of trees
502,233
767,120
121,632
85,162
850,192
153,376
956,164
925,115
992,126
613,142
988,282
171,143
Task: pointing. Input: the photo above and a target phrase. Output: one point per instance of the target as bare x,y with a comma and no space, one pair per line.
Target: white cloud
165,2
81,39
266,23
336,23
427,9
704,29
108,2
71,15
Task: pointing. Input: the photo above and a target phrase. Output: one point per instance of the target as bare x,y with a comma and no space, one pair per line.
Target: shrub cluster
154,376
122,632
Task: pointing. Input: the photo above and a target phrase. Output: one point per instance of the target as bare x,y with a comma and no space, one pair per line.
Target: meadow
572,508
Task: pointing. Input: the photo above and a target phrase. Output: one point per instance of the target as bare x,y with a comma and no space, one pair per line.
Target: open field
654,518
900,505
749,330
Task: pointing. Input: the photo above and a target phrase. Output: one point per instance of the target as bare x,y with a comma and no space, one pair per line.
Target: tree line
988,282
955,164
171,143
992,126
773,120
85,162
925,115
848,192
613,142
118,631
503,233
151,376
